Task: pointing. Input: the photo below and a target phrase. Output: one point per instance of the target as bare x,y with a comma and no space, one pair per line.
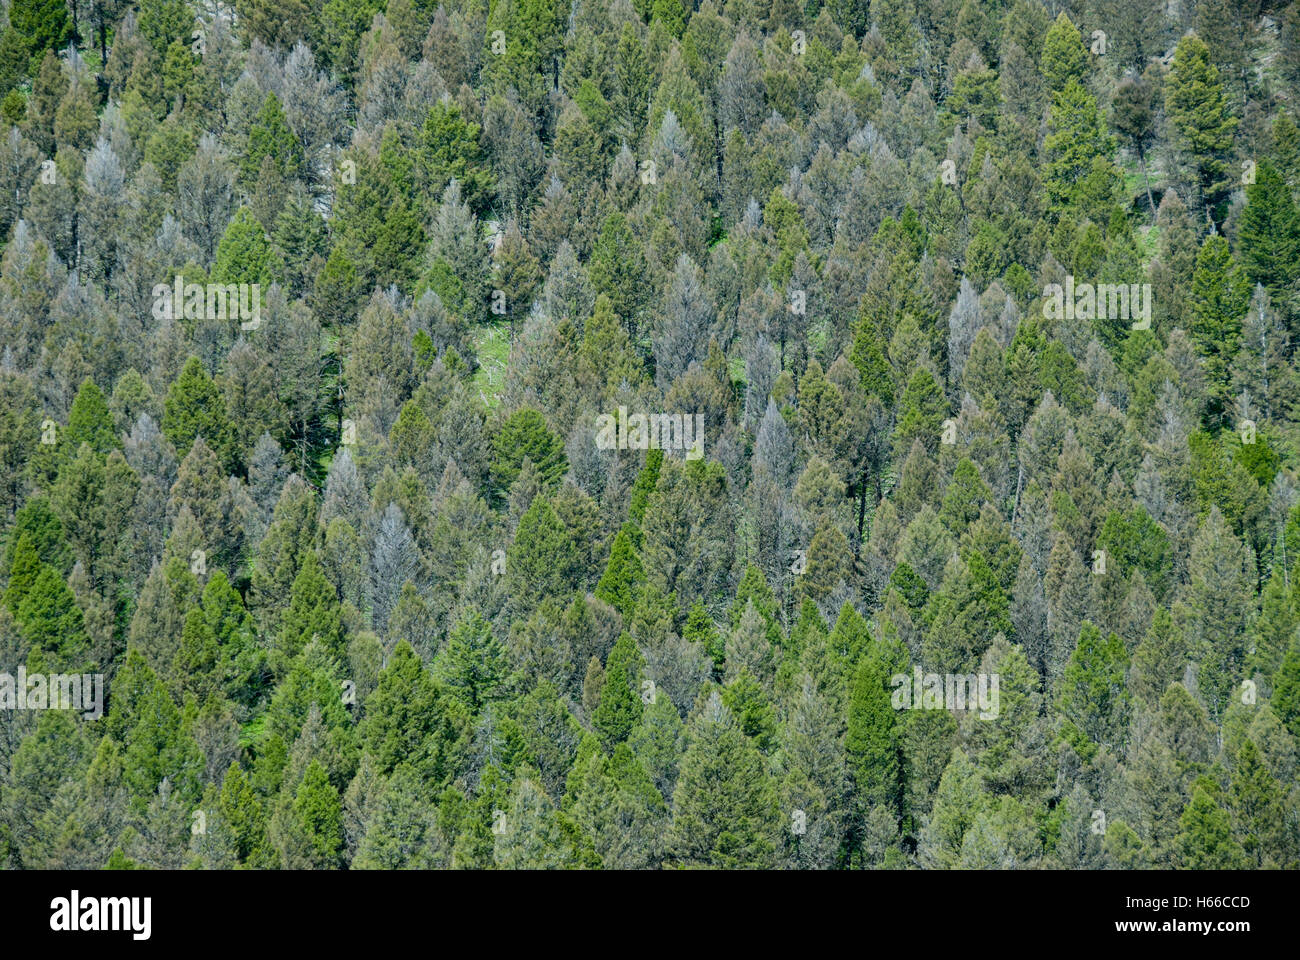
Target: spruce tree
623,573
1270,236
724,806
1196,106
194,408
1205,840
472,664
872,742
620,706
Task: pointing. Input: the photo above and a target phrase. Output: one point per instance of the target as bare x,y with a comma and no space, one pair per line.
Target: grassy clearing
492,343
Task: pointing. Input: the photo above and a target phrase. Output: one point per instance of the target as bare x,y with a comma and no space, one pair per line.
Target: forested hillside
586,433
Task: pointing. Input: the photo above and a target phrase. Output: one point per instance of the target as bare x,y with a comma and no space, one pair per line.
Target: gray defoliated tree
686,316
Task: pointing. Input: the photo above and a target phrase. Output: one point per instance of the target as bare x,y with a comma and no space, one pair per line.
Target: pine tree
532,834
1286,689
1158,660
449,149
872,742
1093,698
410,720
1064,57
158,749
623,573
525,435
472,665
724,806
1133,115
1215,617
536,561
1258,810
644,485
319,810
1270,236
1196,107
89,421
270,136
403,831
241,809
958,802
620,705
749,703
1273,630
1080,178
245,254
921,413
617,258
617,804
313,614
699,629
41,25
51,621
1205,839
1221,296
194,408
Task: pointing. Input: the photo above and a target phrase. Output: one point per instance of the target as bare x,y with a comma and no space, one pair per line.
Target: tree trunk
1020,476
862,503
1142,159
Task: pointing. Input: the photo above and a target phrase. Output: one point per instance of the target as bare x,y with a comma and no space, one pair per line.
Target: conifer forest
649,434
